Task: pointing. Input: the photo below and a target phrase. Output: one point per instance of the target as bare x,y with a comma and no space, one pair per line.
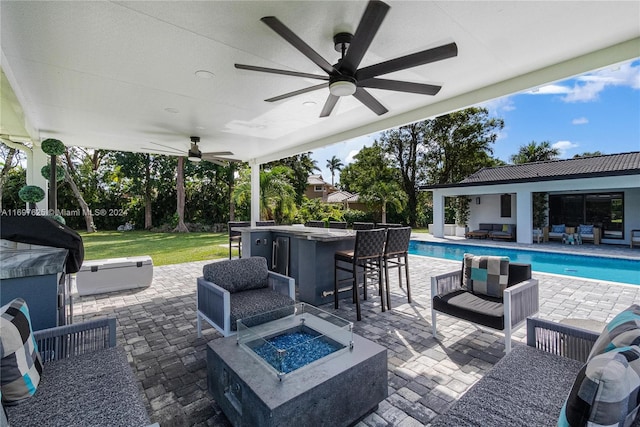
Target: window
505,206
318,188
604,210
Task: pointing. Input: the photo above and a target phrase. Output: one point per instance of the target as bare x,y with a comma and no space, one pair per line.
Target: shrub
52,147
46,171
31,194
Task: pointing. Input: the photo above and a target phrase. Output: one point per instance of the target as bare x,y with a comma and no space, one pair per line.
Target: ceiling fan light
194,157
342,88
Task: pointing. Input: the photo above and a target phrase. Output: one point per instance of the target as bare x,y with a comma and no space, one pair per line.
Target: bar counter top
305,233
31,262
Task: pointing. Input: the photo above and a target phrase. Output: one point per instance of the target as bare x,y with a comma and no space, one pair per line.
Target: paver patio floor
157,327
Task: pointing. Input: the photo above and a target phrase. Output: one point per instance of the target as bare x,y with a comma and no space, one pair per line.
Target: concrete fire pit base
337,391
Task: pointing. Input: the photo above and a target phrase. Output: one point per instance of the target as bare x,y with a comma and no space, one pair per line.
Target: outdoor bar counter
304,253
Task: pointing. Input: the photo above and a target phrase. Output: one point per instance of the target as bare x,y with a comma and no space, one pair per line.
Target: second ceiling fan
345,78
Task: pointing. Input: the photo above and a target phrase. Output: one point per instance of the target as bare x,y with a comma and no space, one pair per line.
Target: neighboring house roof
341,197
554,170
316,180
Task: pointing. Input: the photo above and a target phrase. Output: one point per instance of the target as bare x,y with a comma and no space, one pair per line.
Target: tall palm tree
385,193
334,164
277,195
535,152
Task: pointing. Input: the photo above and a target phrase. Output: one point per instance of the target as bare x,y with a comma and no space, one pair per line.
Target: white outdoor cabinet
114,274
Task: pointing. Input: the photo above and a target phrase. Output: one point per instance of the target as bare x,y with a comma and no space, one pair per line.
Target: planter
461,231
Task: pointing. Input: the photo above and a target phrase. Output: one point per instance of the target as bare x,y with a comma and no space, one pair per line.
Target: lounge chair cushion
238,275
605,392
260,301
486,275
20,364
476,308
585,229
622,331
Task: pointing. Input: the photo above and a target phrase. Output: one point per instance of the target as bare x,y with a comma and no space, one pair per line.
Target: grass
164,248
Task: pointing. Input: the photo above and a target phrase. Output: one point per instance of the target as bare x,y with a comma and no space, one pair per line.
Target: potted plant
31,194
462,215
539,213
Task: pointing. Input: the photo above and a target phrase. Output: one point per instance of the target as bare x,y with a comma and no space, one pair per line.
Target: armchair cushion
605,392
622,331
585,229
557,228
476,308
265,302
486,275
238,275
20,364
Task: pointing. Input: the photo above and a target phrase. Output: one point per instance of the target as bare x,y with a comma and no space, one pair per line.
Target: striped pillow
622,331
20,364
605,392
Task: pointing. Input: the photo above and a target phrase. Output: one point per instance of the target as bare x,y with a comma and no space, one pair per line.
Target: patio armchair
235,289
488,291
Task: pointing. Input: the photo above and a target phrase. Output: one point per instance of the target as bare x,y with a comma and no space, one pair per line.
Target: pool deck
157,328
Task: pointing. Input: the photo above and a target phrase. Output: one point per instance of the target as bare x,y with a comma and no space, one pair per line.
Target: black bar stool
235,237
265,223
396,255
366,257
316,224
363,226
338,224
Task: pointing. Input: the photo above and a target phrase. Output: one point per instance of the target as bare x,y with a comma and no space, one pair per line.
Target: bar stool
367,257
363,226
316,224
235,237
387,225
265,223
338,224
396,255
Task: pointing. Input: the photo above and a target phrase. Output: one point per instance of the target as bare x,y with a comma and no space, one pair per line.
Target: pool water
590,267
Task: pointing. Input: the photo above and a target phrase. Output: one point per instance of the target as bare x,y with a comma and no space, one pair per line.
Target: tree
70,171
277,195
588,154
334,164
180,199
535,152
384,193
301,165
9,156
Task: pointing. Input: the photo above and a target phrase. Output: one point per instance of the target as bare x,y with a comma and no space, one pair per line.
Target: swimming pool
590,267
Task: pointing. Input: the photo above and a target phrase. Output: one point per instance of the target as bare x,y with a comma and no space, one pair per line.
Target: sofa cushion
585,229
476,308
96,389
487,275
236,275
485,227
20,364
605,392
557,228
261,301
525,388
622,331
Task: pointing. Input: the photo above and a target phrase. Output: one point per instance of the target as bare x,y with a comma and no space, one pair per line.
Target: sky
596,111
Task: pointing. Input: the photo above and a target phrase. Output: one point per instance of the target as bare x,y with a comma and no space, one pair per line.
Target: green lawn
164,248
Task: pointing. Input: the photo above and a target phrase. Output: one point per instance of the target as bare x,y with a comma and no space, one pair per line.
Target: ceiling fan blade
367,99
158,150
177,150
218,153
284,32
420,58
421,88
298,92
367,28
208,157
329,105
277,71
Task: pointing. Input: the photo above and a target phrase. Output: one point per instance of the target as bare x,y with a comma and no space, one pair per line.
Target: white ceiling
103,74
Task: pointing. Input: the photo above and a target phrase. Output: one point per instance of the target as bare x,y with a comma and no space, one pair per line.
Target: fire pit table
307,367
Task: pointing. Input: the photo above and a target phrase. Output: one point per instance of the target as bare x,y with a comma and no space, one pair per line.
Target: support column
524,216
438,214
255,193
35,162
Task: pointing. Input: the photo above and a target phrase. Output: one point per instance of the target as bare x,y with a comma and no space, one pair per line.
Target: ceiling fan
194,154
345,78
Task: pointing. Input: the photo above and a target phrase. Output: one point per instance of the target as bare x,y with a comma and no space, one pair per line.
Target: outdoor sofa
564,376
84,378
494,231
586,232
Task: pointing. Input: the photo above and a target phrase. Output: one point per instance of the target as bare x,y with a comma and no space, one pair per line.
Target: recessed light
204,74
308,103
200,127
172,110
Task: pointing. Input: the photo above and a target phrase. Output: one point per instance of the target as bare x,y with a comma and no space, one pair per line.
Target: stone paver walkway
157,327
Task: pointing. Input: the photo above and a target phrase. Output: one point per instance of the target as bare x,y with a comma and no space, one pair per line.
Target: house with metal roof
599,190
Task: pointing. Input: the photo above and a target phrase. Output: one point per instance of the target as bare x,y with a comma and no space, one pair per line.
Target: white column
438,214
255,193
35,162
524,217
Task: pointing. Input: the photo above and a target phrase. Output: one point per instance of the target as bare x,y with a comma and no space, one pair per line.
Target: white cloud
495,106
588,86
350,156
580,121
564,146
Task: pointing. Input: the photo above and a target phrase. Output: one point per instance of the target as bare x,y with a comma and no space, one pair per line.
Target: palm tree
334,164
535,152
385,193
277,195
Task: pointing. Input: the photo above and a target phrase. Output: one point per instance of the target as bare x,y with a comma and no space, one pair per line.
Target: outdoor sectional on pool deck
494,231
548,383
